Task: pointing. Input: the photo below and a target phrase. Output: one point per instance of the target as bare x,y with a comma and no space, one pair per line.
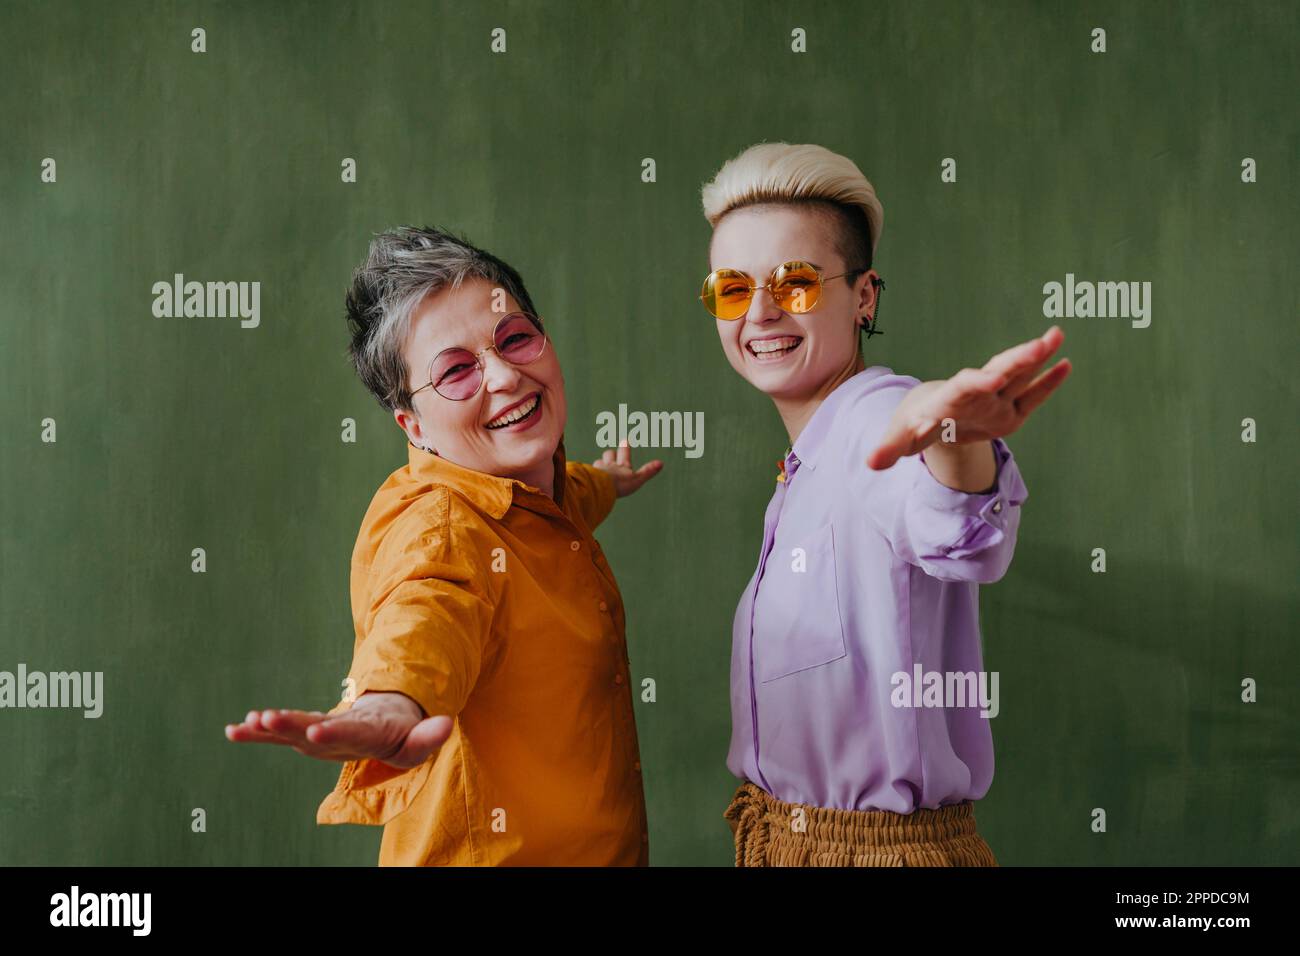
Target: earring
870,326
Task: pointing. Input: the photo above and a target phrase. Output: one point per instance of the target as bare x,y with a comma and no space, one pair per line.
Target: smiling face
792,357
478,432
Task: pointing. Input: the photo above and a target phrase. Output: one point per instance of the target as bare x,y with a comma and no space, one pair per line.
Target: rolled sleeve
593,491
425,636
427,643
960,536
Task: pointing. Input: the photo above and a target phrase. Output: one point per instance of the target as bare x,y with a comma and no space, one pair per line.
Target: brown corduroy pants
771,832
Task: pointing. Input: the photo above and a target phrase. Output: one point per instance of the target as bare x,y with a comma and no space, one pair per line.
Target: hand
389,727
619,467
986,403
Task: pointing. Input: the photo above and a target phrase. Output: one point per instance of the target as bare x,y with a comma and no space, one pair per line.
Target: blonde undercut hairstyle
788,173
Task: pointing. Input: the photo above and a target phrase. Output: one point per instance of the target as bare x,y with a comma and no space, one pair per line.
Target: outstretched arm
981,404
385,726
947,492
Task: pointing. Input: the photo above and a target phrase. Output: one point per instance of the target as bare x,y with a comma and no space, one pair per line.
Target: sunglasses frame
478,356
821,282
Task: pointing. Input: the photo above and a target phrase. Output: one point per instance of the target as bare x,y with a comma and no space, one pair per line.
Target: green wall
1119,690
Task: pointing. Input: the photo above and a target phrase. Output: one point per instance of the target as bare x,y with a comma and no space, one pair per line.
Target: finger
898,442
1042,387
624,454
243,733
352,728
969,382
291,724
253,721
608,457
641,476
1017,384
422,742
1026,356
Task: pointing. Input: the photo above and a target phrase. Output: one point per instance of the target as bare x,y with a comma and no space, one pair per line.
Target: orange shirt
481,598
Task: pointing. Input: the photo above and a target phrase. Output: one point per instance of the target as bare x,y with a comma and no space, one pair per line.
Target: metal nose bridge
478,356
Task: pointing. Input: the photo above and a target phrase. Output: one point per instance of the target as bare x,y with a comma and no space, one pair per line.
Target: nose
762,308
498,374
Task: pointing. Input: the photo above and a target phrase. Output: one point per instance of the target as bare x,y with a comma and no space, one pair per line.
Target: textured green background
1118,690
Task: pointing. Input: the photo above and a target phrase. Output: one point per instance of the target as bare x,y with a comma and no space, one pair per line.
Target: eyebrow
465,348
815,265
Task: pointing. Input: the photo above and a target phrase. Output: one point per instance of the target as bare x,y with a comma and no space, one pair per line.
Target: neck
542,478
796,412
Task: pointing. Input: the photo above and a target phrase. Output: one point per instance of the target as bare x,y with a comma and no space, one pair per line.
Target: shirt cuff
994,507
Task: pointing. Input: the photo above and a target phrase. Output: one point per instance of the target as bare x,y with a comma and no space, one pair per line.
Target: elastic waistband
769,831
870,827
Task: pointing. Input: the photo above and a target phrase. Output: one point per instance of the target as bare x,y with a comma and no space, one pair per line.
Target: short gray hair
405,265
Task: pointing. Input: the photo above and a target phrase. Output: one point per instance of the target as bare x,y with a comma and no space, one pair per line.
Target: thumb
648,471
423,740
892,446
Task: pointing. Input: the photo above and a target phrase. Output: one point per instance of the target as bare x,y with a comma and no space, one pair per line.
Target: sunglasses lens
455,374
519,338
796,287
726,294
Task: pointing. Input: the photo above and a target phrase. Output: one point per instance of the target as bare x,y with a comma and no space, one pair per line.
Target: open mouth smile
773,348
519,416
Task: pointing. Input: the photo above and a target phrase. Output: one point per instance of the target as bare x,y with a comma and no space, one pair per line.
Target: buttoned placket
548,507
790,464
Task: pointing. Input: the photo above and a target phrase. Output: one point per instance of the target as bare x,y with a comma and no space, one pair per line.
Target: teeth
773,345
514,414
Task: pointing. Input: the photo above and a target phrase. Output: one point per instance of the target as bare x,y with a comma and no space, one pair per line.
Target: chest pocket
796,609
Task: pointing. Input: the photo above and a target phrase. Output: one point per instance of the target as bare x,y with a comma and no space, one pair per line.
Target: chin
530,451
786,383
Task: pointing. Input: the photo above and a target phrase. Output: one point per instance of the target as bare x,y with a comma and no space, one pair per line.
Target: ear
867,298
410,424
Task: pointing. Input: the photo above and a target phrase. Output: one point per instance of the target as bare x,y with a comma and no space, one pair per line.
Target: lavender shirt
864,574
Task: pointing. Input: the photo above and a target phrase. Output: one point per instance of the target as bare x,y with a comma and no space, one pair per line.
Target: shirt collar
809,443
492,493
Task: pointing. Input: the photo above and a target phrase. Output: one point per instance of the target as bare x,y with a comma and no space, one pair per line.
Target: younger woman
895,500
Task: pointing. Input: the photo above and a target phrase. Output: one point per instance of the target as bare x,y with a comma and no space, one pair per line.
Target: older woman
488,718
872,550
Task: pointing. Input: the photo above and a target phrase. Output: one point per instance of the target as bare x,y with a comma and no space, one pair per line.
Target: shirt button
637,766
618,678
574,545
997,506
604,606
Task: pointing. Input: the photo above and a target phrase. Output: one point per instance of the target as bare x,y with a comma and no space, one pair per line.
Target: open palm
376,726
983,403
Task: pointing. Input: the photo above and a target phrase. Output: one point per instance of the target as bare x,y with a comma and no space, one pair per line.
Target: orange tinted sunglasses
795,286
